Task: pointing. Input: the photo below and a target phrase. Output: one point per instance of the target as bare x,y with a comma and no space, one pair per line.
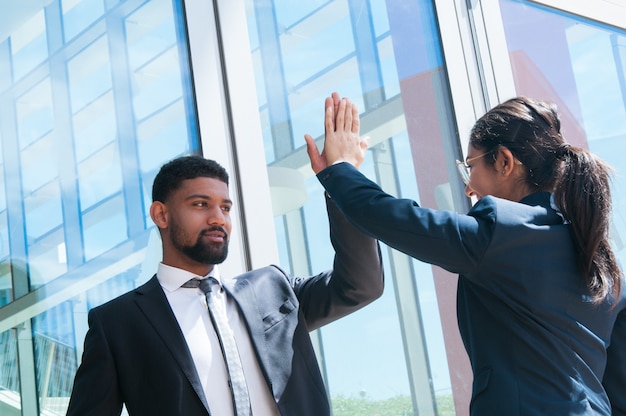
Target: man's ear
158,213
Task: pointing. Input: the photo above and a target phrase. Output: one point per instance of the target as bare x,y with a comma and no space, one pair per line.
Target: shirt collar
172,278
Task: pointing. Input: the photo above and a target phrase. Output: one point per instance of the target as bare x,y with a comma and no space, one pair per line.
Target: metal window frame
230,126
603,11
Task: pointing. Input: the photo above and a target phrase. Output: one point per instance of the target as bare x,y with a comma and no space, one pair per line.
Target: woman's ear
158,213
505,161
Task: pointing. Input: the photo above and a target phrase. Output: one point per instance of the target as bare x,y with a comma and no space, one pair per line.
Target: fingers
340,118
329,115
311,147
356,122
336,99
347,117
360,155
318,162
329,103
341,136
364,143
348,114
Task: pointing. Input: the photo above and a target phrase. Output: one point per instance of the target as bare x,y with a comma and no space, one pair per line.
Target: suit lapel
156,308
241,290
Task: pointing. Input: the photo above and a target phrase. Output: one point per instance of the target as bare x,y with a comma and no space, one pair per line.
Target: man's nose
216,216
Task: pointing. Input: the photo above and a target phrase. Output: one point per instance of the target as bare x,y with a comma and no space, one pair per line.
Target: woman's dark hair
173,173
531,130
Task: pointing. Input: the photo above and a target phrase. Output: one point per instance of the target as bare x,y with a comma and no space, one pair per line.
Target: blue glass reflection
583,73
82,135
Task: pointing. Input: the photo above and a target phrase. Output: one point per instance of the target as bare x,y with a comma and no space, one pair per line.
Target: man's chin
215,260
208,257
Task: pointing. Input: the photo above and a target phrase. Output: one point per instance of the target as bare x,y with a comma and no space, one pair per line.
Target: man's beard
201,252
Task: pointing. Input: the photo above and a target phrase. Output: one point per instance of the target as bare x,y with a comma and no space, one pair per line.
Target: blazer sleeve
614,380
356,279
447,239
95,390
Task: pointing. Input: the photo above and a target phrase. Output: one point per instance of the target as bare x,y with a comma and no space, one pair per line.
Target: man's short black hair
173,173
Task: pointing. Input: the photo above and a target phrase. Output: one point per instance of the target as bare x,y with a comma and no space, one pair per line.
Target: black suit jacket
135,353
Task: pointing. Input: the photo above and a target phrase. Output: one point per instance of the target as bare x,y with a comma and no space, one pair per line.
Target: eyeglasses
464,169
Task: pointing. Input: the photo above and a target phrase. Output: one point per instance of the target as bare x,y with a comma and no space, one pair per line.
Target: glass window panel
151,51
43,210
156,84
389,71
303,107
35,113
3,199
79,14
29,45
383,57
100,176
288,13
46,259
6,263
329,26
55,356
9,371
164,133
104,227
5,63
583,73
43,152
358,382
89,74
149,31
95,126
6,285
379,16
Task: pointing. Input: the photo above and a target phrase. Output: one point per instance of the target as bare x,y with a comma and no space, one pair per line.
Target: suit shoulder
486,208
128,297
115,303
270,271
535,208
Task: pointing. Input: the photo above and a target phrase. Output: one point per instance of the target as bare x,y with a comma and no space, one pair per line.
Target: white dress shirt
190,309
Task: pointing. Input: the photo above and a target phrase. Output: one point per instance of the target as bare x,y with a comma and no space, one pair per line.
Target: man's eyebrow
208,198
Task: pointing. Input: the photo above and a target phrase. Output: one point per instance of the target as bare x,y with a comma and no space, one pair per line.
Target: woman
540,303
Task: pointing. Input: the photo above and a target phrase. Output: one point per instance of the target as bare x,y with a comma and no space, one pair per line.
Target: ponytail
583,195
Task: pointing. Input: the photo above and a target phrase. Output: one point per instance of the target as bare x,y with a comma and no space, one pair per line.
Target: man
155,349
